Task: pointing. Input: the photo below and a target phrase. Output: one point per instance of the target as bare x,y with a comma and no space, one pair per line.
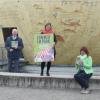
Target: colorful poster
43,47
14,44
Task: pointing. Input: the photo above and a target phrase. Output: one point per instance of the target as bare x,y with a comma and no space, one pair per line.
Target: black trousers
43,65
13,65
83,79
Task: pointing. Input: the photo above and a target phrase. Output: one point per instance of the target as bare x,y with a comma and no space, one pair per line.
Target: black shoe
48,74
41,74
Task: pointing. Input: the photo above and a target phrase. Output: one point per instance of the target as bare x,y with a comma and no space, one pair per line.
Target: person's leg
10,67
16,65
78,79
83,79
48,68
86,78
42,68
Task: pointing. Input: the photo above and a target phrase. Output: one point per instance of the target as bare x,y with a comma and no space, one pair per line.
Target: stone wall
23,80
76,20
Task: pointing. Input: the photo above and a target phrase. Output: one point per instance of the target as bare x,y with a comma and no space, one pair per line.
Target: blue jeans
83,79
13,65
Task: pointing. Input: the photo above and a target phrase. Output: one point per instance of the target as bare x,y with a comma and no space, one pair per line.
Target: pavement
12,93
55,69
9,93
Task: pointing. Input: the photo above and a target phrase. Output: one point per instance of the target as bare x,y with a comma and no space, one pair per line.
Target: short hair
85,50
47,25
14,29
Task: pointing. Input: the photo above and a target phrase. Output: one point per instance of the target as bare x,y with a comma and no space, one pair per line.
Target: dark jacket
15,54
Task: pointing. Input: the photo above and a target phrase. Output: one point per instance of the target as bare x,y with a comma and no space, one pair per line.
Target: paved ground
55,70
7,93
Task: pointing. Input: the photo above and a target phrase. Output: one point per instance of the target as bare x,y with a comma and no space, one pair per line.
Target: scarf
44,31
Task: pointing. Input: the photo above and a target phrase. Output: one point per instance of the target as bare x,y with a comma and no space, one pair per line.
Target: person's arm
20,45
7,44
76,65
55,39
87,63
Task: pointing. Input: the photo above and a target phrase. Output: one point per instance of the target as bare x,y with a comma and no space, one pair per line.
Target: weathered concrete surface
55,69
45,94
61,77
36,81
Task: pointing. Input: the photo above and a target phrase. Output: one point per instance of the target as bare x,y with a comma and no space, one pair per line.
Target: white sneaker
85,91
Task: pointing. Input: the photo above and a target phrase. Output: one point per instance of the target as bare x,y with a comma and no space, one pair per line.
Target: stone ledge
70,76
27,80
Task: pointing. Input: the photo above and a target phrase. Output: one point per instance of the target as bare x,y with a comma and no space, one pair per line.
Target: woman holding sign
48,30
85,71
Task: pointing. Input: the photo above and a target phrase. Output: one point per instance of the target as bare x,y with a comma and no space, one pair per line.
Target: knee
76,77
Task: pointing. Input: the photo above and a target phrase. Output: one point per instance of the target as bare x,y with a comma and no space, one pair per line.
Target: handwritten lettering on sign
43,47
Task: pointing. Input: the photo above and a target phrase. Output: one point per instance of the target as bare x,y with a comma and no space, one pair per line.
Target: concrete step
27,80
55,70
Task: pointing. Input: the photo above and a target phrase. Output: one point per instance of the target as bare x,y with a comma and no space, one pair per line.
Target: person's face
14,32
83,53
48,27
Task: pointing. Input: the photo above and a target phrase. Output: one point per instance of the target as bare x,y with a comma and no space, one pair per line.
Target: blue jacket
15,54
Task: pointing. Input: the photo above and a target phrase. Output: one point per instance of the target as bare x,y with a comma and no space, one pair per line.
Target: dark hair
85,50
47,25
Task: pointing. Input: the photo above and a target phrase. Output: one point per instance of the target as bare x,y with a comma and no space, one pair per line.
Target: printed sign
14,44
43,47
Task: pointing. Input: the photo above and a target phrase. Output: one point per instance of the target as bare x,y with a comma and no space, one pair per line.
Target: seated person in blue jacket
14,45
84,69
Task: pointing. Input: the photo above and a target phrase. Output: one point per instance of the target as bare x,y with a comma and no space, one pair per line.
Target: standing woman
48,30
84,66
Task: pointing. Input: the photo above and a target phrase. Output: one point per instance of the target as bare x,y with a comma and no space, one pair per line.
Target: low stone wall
35,81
